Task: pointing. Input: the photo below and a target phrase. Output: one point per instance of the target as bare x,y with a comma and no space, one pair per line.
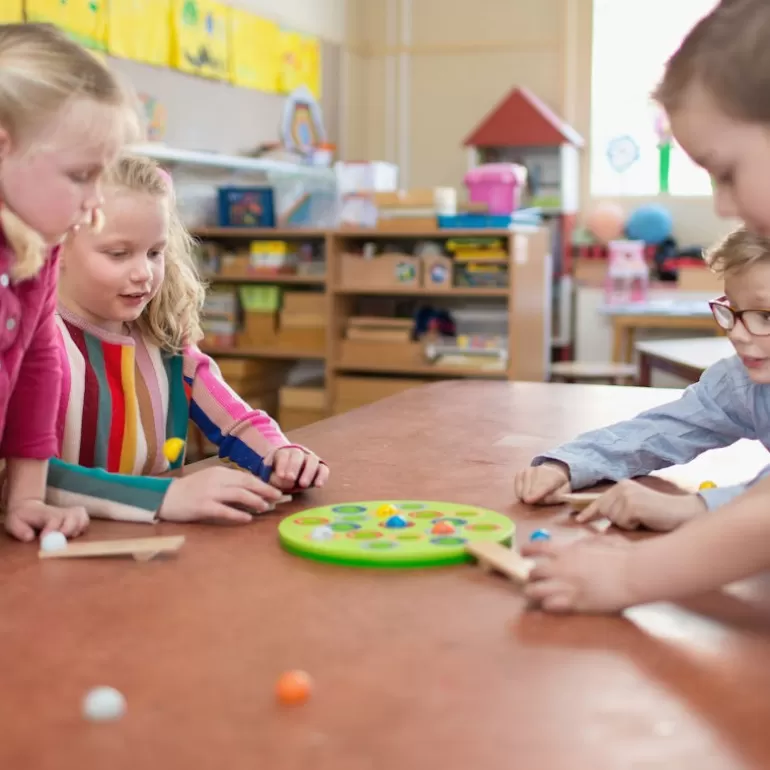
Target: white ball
104,704
53,541
322,533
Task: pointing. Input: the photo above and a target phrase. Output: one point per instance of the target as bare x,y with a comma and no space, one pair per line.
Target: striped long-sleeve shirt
122,398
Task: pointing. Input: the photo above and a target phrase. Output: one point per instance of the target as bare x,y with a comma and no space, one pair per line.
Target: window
632,39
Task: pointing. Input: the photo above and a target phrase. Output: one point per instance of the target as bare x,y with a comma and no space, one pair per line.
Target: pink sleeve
30,427
249,437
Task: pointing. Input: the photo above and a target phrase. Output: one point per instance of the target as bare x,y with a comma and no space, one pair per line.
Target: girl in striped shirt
129,306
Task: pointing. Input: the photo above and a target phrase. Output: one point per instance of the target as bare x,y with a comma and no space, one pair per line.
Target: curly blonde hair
737,251
172,318
41,72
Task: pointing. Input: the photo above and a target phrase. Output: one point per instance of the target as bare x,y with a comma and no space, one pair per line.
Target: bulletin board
255,51
84,20
200,38
140,30
11,11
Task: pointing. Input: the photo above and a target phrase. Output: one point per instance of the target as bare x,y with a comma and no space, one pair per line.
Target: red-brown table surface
438,668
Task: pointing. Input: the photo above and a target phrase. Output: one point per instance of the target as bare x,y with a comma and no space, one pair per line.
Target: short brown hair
728,53
737,251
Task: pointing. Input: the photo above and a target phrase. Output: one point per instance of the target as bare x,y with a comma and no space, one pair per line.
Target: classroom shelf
166,154
253,233
447,233
426,370
284,353
420,291
296,280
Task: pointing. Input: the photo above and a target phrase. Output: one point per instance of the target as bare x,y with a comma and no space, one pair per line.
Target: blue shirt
721,408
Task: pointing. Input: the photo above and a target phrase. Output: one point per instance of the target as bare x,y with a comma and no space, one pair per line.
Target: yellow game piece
707,485
388,509
172,449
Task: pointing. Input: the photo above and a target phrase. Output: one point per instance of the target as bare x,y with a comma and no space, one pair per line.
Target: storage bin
498,185
436,271
384,271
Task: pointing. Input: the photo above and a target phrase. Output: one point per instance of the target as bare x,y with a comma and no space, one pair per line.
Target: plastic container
498,185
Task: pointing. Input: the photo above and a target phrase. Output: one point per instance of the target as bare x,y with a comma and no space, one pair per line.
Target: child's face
749,289
108,278
51,180
736,154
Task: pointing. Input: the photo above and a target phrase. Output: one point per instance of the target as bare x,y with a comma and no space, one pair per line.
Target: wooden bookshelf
295,280
527,295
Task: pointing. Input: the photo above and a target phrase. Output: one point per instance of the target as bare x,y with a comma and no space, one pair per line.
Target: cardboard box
385,271
311,302
259,329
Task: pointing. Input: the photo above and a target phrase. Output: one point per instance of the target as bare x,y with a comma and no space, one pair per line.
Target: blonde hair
42,71
737,251
728,53
172,318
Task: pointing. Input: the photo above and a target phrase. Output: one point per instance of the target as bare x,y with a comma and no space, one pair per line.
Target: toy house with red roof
523,129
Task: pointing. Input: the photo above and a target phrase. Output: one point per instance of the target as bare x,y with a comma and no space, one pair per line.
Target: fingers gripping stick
495,557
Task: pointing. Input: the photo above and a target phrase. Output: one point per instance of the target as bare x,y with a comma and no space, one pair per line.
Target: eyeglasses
755,321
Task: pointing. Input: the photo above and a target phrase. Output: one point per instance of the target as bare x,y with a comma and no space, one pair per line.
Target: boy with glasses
730,402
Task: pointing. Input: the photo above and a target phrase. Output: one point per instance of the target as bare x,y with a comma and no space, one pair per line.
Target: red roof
522,120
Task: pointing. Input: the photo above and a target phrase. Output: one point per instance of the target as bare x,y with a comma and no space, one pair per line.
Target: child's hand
295,467
591,575
542,484
217,494
630,505
27,517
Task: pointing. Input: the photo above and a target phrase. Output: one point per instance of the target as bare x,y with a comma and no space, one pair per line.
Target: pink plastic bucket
496,184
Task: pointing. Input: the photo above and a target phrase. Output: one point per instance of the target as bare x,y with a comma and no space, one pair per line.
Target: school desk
436,668
684,358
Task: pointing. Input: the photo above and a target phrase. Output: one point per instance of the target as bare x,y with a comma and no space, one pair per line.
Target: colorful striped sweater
122,398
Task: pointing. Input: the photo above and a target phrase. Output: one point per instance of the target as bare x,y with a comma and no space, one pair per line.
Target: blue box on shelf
246,207
472,221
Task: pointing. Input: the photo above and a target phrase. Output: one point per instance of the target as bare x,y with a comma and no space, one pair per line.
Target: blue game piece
540,534
396,522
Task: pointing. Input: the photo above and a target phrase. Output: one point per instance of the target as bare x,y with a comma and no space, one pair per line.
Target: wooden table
660,314
439,668
685,358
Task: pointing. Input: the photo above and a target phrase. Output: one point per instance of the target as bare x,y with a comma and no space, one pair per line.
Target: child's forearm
710,551
26,479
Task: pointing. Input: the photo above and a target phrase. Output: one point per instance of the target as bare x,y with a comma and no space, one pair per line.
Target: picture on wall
11,11
200,38
84,20
140,30
255,50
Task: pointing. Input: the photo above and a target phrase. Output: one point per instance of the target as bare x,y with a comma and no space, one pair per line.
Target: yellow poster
312,68
11,11
84,20
200,38
300,62
140,30
255,51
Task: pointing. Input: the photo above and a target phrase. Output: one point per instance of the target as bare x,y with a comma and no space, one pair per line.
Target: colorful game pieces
442,528
396,522
707,485
540,534
172,448
388,509
293,688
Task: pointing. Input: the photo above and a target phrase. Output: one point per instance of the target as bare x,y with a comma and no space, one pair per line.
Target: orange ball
293,688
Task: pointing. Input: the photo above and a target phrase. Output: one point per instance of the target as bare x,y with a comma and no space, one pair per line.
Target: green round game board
355,533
